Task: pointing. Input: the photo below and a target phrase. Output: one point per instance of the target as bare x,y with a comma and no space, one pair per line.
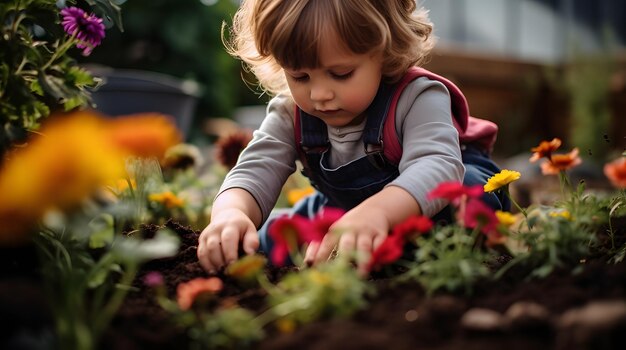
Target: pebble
482,320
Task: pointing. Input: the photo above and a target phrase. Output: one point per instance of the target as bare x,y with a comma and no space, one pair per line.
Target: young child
348,97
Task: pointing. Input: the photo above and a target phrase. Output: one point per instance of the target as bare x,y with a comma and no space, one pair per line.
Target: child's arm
234,217
365,227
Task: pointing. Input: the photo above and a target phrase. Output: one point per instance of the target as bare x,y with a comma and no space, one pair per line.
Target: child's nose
321,93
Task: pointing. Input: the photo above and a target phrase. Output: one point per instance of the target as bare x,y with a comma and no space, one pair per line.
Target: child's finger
347,243
230,244
378,240
250,241
216,258
203,254
311,252
326,247
364,244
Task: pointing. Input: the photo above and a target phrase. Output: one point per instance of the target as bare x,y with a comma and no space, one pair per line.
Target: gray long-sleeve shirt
430,143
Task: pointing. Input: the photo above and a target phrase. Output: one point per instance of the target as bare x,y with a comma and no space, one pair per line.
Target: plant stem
61,50
115,301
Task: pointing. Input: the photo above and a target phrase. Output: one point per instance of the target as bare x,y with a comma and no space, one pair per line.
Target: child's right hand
218,244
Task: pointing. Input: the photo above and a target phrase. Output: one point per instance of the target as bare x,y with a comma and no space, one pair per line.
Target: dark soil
398,317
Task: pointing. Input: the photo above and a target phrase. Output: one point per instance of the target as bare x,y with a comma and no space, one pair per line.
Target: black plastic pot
126,92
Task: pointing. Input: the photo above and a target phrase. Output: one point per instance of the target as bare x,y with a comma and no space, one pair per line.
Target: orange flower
561,162
71,159
189,292
144,135
545,149
616,172
59,168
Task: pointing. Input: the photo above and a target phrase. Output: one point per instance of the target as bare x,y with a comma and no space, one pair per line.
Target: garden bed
403,317
565,310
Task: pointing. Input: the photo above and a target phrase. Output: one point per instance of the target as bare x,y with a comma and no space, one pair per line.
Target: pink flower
153,279
454,191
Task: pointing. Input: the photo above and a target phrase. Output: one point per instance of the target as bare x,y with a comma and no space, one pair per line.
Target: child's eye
343,76
300,78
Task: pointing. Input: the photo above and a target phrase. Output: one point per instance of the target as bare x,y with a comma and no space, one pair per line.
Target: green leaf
103,231
164,244
53,86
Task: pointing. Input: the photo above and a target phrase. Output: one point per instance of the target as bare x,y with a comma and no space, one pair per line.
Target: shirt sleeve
269,159
430,143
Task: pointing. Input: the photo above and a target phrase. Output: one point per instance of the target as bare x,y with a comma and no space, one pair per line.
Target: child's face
341,89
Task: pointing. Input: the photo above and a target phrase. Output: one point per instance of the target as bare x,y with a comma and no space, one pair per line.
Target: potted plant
37,72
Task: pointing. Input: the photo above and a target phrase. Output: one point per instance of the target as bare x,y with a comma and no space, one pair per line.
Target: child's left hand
358,232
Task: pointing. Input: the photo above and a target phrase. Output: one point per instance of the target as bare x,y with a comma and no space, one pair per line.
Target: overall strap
311,134
471,130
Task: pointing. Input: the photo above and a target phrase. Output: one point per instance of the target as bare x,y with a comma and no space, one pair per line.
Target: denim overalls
350,184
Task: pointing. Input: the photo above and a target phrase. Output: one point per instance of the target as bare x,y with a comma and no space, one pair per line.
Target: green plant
448,259
37,74
86,282
209,326
562,234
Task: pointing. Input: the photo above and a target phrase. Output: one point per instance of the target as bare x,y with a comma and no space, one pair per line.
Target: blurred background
539,68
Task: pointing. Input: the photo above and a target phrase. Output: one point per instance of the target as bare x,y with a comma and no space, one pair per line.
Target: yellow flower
319,278
296,194
505,218
501,179
561,213
167,198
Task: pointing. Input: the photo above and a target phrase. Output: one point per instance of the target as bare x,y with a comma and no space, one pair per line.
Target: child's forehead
326,50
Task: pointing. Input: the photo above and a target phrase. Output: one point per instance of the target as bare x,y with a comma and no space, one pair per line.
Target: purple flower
88,29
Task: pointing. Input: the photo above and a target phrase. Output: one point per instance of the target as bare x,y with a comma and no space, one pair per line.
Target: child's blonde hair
270,34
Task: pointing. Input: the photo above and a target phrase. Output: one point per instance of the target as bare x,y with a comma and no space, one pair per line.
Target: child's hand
358,231
218,244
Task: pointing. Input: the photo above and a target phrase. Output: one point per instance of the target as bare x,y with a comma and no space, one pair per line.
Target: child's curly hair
270,34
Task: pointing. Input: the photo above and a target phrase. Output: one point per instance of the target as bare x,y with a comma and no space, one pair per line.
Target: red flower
388,252
454,191
392,247
288,233
412,226
325,219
